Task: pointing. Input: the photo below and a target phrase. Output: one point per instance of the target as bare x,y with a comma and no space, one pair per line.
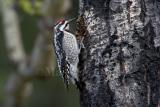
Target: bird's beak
68,21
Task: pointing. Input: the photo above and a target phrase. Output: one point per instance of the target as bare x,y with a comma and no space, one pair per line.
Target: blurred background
28,72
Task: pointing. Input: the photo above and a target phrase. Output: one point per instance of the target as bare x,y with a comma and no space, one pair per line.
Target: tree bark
120,62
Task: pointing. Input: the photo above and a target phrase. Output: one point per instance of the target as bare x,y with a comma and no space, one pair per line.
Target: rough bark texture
120,64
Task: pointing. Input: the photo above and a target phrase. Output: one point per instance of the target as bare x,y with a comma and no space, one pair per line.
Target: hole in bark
129,3
94,79
114,64
142,94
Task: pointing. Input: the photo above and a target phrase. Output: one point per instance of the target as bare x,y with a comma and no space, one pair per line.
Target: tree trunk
120,63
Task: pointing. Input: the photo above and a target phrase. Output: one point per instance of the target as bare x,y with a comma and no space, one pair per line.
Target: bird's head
63,24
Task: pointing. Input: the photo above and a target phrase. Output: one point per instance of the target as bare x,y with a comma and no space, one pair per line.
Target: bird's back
70,46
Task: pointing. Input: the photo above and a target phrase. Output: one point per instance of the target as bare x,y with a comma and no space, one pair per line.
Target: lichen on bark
119,66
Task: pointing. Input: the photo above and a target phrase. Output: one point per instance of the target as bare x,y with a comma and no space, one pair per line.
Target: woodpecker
67,52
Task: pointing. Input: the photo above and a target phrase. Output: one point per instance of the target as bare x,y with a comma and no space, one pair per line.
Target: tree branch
40,64
12,32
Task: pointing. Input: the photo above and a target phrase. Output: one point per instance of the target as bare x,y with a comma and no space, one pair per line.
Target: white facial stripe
63,26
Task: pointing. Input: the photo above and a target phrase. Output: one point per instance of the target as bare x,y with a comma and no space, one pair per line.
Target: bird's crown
60,21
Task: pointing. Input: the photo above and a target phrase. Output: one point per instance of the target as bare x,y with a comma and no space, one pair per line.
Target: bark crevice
120,67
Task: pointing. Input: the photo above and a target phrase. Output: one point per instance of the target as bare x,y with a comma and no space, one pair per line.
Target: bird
67,52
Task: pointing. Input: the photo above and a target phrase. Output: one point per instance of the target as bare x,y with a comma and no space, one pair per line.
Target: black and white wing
62,63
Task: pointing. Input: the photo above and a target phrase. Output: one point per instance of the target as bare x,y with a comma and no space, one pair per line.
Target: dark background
46,93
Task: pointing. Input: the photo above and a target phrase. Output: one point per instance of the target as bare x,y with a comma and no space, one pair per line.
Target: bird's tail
73,74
